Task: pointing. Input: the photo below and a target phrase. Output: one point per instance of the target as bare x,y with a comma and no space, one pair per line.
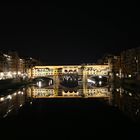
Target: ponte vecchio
80,70
83,72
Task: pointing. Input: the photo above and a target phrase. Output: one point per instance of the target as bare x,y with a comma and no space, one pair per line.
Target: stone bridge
84,71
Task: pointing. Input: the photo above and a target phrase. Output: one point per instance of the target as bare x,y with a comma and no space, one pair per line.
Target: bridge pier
56,84
84,82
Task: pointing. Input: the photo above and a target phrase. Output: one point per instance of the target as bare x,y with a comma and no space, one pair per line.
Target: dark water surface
37,111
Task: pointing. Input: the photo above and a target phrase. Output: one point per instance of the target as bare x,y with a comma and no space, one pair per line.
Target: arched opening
42,81
97,81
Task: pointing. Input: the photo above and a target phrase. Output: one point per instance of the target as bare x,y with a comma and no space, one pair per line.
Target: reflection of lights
22,92
5,116
15,94
25,74
31,103
129,75
21,105
9,111
70,79
70,93
137,111
8,58
117,74
130,94
9,97
117,90
100,82
1,99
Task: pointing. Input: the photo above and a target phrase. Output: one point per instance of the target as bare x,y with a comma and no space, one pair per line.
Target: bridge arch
42,81
56,72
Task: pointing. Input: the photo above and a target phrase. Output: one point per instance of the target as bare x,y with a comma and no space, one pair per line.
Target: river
58,107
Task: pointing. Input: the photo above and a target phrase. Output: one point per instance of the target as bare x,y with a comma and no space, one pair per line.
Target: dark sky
66,33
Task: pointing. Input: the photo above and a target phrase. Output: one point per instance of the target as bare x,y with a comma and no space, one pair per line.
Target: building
21,66
11,65
2,60
114,62
30,63
130,63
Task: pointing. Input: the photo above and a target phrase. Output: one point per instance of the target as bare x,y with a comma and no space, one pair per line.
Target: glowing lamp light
19,72
9,97
1,99
15,94
9,74
39,84
117,90
14,73
100,76
2,74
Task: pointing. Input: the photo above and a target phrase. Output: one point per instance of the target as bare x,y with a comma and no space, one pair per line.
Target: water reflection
96,92
126,101
11,102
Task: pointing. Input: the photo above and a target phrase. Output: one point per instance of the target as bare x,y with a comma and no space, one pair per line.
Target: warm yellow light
9,97
2,99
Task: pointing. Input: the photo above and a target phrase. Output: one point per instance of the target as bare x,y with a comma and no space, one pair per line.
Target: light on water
105,93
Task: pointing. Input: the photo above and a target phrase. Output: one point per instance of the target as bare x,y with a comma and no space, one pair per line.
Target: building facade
11,65
130,63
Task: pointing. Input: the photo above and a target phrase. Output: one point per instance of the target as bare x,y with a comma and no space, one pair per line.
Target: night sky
69,33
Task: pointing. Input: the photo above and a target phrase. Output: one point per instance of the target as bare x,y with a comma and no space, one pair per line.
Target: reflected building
11,103
98,92
35,92
101,92
71,94
127,102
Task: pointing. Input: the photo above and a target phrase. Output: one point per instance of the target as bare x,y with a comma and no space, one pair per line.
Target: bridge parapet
97,70
44,71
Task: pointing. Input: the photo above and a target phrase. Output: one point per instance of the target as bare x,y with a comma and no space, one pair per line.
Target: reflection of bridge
89,70
101,92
